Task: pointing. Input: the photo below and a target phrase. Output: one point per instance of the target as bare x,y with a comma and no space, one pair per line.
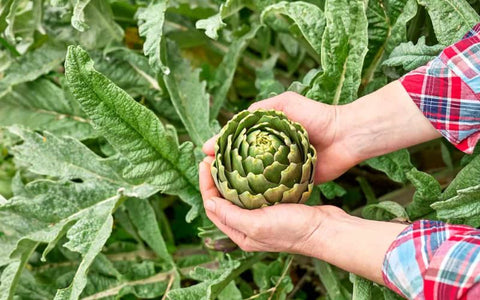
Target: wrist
382,122
351,243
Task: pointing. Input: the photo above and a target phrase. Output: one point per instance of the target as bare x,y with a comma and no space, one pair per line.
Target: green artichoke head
262,158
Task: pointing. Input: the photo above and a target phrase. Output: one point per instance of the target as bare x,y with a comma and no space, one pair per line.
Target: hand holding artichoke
262,158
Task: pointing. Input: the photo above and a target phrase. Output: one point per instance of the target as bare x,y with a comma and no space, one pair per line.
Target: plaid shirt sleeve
447,91
434,260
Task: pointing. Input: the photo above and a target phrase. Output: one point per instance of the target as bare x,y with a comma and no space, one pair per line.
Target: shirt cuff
447,91
434,260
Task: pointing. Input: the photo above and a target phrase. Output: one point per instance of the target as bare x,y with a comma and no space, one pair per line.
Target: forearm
354,244
382,122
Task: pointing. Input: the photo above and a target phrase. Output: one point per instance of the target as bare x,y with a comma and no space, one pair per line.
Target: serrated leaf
78,17
428,191
214,23
469,176
134,131
42,105
32,65
214,281
450,19
150,26
387,26
265,81
22,22
188,95
384,211
143,217
330,281
464,204
308,17
225,71
395,164
344,45
47,210
411,56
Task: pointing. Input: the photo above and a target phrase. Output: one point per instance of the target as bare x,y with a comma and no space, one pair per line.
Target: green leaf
331,190
362,288
214,23
143,217
384,211
330,281
344,45
150,26
387,28
307,17
428,191
225,71
265,82
23,21
464,204
214,281
451,19
47,210
188,95
32,65
395,164
469,176
134,131
95,25
411,56
78,17
42,105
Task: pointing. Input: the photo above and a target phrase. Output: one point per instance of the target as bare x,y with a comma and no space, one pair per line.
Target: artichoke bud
262,158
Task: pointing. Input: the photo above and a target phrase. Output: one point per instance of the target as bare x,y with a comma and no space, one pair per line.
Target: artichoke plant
263,158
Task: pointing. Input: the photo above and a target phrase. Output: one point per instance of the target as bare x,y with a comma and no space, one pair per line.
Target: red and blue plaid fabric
431,259
434,260
447,91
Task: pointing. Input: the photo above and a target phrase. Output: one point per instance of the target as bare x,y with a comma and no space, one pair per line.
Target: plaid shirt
446,262
447,91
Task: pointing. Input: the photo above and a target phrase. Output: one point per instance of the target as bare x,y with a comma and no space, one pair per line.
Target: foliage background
100,144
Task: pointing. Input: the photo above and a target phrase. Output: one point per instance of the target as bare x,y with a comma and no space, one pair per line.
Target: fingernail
210,205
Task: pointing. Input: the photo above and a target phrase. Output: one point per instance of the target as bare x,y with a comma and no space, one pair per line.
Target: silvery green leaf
150,26
384,211
451,19
42,105
308,17
32,65
265,82
344,45
188,95
151,148
411,56
395,164
387,26
78,18
214,23
428,191
463,205
226,70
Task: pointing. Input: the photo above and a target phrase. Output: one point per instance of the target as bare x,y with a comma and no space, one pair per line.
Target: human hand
324,232
292,228
334,156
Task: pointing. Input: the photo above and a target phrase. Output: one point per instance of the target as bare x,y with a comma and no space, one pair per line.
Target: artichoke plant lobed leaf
262,158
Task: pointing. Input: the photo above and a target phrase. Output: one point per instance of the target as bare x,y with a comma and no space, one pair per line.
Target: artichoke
262,158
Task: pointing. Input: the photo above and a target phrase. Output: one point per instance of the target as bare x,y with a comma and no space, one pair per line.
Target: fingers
207,186
209,147
311,114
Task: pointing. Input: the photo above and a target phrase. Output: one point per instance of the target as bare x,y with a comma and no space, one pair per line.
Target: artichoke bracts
262,158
